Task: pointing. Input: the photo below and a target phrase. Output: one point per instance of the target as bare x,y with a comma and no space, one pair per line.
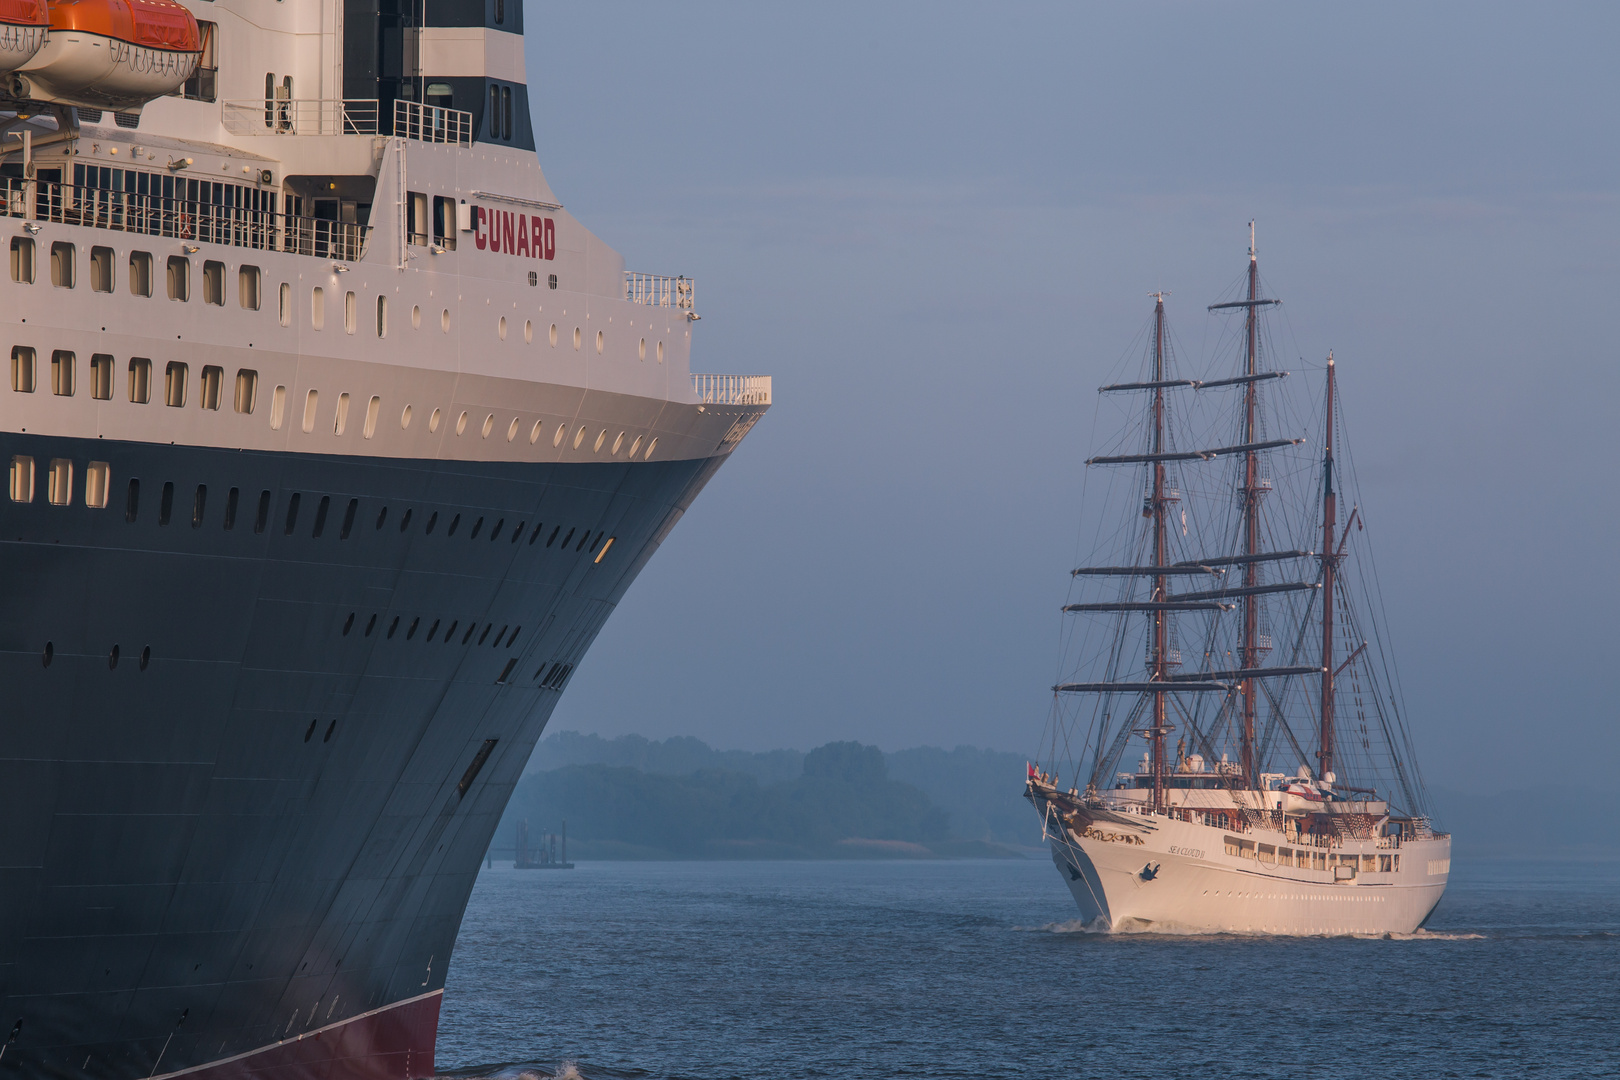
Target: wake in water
565,1070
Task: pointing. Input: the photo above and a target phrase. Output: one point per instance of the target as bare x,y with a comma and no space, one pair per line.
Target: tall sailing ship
1233,607
332,439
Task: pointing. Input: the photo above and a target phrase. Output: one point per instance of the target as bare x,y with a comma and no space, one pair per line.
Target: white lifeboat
23,24
111,54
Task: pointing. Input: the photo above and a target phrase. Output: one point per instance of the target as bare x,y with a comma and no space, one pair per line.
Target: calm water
967,969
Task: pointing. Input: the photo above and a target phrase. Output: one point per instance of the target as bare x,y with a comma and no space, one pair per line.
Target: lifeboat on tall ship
111,54
23,24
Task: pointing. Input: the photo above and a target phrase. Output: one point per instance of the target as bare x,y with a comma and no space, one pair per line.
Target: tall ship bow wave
332,440
1233,607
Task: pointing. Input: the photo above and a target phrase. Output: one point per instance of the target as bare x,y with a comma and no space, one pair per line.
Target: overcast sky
936,227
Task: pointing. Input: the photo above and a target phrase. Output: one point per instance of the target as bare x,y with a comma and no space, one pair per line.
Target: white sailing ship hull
1176,877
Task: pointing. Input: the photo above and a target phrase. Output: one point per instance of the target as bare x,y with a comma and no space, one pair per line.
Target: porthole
599,342
450,633
557,437
489,425
553,537
660,352
517,533
382,516
650,448
433,519
461,423
468,635
393,627
535,535
579,437
534,432
601,437
500,328
50,652
528,332
371,624
309,732
444,320
497,638
416,317
641,350
405,522
479,524
577,338
553,335
112,659
411,632
481,637
495,533
329,729
512,429
451,531
618,443
434,629
635,446
433,422
146,657
405,417
348,624
321,509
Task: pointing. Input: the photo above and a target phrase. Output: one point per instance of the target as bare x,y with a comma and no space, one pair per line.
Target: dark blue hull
248,771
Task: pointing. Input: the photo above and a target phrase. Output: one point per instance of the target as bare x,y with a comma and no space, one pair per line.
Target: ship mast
1161,616
1330,561
1249,656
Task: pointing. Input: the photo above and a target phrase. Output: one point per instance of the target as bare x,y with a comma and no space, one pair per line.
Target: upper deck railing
182,219
658,291
732,389
348,116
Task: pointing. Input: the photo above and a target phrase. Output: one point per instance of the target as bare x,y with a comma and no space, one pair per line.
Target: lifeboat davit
23,24
111,54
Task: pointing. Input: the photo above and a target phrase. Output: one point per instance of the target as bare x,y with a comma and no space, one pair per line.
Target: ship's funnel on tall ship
23,25
109,54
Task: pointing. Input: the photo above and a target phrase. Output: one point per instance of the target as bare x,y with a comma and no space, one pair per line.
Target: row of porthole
49,653
340,423
432,632
98,478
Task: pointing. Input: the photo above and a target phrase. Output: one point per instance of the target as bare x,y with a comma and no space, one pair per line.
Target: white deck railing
350,116
732,389
658,291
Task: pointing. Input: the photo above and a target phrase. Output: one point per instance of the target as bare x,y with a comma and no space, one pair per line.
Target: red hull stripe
395,1042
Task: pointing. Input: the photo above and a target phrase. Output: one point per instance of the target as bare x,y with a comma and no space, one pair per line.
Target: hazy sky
936,227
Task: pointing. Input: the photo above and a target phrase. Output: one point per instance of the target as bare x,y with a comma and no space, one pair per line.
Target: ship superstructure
332,440
1291,803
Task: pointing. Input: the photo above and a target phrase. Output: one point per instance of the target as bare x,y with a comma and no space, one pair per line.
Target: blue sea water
975,969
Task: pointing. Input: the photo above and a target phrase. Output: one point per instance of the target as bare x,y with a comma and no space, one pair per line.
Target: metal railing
732,389
432,124
300,116
658,291
182,219
348,116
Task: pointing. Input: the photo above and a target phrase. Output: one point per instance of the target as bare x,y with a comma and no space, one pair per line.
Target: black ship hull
262,717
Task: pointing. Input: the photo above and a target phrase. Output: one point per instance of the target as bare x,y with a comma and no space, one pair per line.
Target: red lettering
478,228
506,232
523,234
537,242
551,239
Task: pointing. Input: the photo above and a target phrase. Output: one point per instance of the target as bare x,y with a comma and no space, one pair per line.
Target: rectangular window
231,499
213,384
179,278
214,283
444,222
166,503
317,308
204,81
59,490
140,380
101,269
416,218
62,264
506,113
62,363
349,315
199,503
97,483
22,260
494,112
22,479
342,419
174,385
373,408
382,316
140,273
284,303
247,287
311,404
278,408
247,390
22,369
132,502
101,377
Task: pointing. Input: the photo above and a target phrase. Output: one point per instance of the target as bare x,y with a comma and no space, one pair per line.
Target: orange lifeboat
22,31
112,54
